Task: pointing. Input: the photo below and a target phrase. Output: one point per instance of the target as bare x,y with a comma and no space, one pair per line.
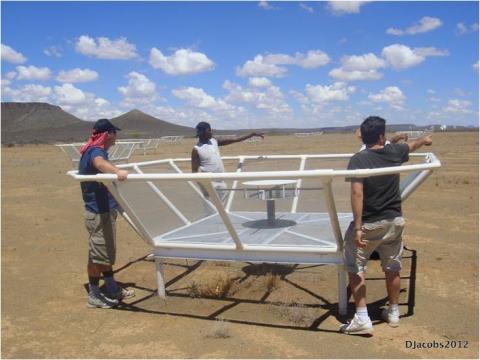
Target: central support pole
271,211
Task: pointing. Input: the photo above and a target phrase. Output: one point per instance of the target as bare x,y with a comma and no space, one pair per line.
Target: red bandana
96,140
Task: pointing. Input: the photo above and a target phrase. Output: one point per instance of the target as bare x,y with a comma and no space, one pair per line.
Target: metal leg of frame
160,280
342,290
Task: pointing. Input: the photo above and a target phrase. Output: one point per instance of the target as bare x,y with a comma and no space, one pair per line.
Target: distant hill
34,116
40,122
45,123
136,123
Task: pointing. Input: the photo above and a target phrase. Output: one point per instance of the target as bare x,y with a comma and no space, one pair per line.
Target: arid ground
232,310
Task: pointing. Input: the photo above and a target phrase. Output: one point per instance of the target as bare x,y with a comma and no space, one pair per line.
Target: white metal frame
118,153
306,134
145,144
413,134
236,250
172,139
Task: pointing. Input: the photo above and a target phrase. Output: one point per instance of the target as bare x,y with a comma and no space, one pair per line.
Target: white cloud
259,82
425,24
10,75
140,89
457,106
265,5
208,107
104,48
269,99
82,104
430,51
312,59
363,62
463,29
28,93
269,65
475,66
12,56
196,97
77,75
345,7
32,73
55,51
258,68
401,56
338,91
306,7
391,95
68,94
430,91
359,67
182,62
355,75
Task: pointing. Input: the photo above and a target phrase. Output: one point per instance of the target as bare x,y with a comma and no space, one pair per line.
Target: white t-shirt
210,159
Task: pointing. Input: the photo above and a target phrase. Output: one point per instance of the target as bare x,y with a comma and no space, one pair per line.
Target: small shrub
272,282
194,290
220,288
220,330
298,314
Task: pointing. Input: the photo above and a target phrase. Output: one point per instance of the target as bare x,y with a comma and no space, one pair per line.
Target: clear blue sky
246,64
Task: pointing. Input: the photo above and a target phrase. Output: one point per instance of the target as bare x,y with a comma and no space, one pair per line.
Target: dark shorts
101,231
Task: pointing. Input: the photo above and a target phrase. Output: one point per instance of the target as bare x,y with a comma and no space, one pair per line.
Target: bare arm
396,138
107,167
418,143
356,198
223,142
195,162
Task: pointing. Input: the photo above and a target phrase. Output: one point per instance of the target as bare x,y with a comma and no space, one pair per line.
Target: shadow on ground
282,271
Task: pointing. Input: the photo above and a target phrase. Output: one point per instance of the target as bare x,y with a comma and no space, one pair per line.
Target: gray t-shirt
381,194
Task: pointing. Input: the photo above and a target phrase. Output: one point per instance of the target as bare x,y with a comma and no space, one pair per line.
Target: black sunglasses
113,131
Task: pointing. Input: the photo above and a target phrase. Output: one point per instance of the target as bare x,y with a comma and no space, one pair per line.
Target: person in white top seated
393,140
206,155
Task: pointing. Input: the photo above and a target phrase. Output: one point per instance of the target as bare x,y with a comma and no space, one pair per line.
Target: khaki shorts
101,230
385,236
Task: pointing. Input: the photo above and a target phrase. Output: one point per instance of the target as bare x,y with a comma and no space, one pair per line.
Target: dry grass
271,282
298,314
220,330
219,288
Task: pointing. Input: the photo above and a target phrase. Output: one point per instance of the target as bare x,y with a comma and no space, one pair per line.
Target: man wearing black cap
100,216
206,155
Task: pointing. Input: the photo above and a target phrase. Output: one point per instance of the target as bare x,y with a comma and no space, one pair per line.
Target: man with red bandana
100,216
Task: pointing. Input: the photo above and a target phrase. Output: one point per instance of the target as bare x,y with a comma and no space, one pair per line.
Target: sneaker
100,301
392,320
121,294
355,326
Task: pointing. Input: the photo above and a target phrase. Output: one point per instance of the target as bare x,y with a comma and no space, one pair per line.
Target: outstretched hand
427,140
260,134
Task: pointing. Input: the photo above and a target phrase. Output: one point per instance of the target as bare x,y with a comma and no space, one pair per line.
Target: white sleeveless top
210,159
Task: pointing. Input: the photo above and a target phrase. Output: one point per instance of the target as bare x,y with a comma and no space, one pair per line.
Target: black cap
202,127
103,125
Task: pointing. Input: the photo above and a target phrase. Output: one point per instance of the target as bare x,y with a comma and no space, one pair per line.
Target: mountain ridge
37,122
